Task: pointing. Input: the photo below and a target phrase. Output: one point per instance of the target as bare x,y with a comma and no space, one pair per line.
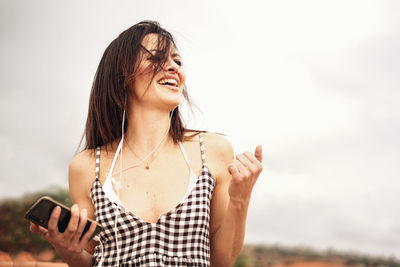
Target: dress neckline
162,215
112,197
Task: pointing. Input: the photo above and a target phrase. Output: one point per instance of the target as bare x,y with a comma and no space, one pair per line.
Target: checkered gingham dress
180,237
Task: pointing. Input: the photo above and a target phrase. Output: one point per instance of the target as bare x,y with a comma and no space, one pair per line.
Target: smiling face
164,88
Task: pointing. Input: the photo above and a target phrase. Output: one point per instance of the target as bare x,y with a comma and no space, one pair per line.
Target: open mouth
172,83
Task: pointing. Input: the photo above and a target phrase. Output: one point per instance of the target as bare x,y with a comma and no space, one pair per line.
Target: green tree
14,228
241,261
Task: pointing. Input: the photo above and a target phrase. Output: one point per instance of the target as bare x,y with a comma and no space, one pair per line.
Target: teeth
170,81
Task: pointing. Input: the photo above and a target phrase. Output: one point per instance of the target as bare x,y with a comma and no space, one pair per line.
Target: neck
146,130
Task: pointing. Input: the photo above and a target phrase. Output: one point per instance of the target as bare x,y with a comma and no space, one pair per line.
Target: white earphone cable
118,185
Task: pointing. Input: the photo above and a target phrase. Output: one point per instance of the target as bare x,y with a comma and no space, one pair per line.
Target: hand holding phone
62,227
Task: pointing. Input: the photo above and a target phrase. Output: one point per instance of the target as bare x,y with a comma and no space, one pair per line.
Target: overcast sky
315,82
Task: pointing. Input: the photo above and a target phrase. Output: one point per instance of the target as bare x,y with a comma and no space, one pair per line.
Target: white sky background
315,82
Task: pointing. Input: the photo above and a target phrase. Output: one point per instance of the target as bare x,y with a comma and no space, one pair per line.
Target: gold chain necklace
147,167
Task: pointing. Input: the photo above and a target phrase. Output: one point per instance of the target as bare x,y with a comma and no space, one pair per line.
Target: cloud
322,223
316,83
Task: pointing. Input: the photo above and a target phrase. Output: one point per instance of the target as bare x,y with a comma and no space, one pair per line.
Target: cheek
141,84
144,69
144,74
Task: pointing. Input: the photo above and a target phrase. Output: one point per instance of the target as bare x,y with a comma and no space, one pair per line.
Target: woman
164,195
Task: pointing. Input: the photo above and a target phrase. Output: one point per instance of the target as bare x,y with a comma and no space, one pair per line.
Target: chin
171,99
172,103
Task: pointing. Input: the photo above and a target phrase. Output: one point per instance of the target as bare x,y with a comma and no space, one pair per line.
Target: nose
171,66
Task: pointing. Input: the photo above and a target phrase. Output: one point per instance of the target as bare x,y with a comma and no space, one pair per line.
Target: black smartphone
40,213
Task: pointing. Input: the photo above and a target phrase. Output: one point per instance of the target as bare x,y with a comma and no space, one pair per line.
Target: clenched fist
245,170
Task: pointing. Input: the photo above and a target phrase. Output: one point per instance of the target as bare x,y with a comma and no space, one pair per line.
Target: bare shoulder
218,145
219,152
83,164
81,174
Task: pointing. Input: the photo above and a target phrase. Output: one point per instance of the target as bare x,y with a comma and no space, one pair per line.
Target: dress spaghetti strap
97,162
202,149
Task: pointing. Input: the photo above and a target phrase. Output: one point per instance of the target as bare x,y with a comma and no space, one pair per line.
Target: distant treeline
271,255
15,237
14,228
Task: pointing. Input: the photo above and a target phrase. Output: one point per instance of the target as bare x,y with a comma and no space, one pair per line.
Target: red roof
26,259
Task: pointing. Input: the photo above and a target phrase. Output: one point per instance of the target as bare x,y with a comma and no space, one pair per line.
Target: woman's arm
69,245
81,176
235,179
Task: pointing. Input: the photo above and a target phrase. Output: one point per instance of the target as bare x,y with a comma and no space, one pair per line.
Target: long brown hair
114,77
